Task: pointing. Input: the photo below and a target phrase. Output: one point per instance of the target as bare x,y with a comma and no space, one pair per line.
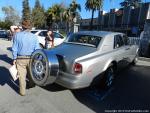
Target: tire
109,77
30,83
44,67
135,60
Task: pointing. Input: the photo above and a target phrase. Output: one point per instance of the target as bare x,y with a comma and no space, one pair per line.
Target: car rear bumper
71,81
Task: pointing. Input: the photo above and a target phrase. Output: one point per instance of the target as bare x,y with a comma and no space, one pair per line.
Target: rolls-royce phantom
81,58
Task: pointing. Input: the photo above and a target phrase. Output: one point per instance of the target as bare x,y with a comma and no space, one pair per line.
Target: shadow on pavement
5,78
6,58
130,92
54,88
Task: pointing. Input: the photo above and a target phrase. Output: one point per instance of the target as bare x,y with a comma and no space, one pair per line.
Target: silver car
82,59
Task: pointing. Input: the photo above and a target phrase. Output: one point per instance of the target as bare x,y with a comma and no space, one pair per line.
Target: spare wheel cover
44,67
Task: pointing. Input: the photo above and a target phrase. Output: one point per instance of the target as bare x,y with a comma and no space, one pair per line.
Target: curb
144,59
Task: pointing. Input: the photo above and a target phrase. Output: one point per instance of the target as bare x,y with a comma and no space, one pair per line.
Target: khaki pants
22,67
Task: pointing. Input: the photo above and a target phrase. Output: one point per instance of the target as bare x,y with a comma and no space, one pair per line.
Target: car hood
72,51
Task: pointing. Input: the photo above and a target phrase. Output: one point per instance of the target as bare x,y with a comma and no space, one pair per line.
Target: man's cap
26,24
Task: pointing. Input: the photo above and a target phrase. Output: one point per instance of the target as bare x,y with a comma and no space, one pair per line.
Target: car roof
98,33
38,30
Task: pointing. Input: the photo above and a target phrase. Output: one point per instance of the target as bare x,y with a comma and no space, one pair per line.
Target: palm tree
93,5
54,14
67,18
74,7
71,13
134,3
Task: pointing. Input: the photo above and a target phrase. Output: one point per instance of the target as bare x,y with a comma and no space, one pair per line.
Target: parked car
145,40
3,34
145,43
58,38
83,58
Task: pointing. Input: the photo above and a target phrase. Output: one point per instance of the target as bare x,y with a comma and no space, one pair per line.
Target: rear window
88,40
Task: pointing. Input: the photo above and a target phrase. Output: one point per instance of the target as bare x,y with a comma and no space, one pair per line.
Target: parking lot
130,92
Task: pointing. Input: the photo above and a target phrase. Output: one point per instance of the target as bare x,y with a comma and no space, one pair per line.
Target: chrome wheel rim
110,77
39,66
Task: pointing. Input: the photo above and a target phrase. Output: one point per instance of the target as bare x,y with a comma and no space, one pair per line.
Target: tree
11,15
71,13
26,12
74,7
37,4
38,15
54,14
134,3
5,24
67,18
93,5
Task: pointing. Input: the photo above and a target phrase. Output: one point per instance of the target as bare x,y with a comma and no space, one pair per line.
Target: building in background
129,20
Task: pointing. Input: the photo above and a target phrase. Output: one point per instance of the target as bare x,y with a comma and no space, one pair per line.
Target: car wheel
135,60
30,83
109,77
44,67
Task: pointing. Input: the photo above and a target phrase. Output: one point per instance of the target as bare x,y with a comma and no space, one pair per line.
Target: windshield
57,35
34,32
88,40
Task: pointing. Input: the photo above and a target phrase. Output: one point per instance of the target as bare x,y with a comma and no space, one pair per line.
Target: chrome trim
44,67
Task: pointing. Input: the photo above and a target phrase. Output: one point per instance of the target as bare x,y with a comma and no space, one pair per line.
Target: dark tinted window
34,32
118,41
126,40
43,33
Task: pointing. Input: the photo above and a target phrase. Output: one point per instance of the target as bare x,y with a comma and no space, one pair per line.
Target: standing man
25,43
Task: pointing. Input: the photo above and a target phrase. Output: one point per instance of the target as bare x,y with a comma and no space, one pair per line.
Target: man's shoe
22,94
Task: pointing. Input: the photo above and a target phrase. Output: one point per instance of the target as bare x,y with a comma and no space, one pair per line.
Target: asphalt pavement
130,93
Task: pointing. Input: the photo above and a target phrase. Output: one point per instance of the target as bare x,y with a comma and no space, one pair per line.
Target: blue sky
17,4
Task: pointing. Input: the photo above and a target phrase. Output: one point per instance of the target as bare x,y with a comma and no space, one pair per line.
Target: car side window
43,33
118,41
126,40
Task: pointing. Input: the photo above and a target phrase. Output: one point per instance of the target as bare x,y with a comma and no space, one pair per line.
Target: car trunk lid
73,51
70,52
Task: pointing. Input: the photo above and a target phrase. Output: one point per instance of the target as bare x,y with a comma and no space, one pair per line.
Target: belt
23,57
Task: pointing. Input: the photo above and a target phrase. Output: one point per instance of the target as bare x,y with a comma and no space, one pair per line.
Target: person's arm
37,45
52,40
15,48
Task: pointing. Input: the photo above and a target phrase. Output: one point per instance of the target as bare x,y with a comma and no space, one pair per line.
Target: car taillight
77,68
